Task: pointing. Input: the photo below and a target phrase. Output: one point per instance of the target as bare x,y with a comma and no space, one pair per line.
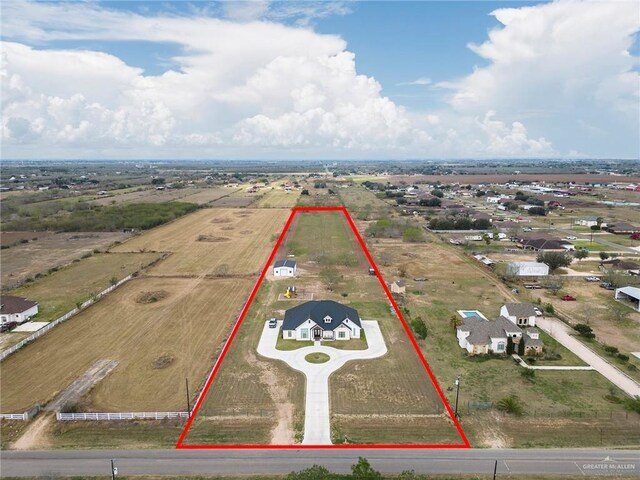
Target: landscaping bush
623,357
511,404
419,328
611,350
584,330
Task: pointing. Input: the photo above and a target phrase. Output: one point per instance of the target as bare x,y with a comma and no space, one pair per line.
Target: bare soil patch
211,238
163,361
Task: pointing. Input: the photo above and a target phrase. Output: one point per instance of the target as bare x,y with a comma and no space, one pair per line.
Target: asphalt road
268,461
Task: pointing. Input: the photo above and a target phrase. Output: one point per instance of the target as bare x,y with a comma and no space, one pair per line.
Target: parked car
571,237
420,279
8,326
568,298
607,285
538,312
273,323
592,279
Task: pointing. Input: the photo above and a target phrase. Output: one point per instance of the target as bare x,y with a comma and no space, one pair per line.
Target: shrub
419,328
611,350
632,405
511,404
623,357
584,330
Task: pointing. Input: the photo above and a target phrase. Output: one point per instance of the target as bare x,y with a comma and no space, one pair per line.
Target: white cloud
251,88
422,81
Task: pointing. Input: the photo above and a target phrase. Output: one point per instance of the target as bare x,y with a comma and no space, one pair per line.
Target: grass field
460,283
147,195
247,389
158,345
60,291
209,195
278,198
50,250
213,241
363,204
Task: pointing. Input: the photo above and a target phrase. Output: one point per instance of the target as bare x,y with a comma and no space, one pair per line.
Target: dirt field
14,238
149,195
48,251
208,195
213,241
237,199
59,292
157,344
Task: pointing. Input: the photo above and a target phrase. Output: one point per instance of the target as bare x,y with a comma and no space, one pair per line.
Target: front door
317,333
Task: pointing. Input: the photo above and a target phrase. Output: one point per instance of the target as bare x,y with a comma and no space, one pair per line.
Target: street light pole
457,395
114,471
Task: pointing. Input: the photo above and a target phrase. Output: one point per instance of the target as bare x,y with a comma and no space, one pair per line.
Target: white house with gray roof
285,268
321,320
521,314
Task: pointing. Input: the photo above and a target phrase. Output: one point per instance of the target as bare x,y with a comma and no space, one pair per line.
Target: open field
248,388
460,283
49,251
15,238
59,292
213,241
147,195
278,198
363,204
238,199
209,195
158,343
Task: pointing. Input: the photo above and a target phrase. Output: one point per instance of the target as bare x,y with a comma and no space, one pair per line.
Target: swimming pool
471,313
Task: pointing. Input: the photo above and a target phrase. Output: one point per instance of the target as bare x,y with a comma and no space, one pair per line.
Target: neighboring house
622,228
522,314
630,294
528,269
398,286
479,336
619,264
545,245
589,222
16,309
321,320
284,268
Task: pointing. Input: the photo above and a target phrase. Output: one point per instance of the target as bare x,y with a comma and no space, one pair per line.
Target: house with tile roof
321,320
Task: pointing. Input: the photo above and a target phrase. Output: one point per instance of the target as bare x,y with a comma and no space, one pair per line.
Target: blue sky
420,79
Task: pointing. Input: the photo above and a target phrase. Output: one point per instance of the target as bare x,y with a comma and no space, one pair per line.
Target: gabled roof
520,309
620,264
633,292
623,227
317,310
10,304
481,331
285,263
399,283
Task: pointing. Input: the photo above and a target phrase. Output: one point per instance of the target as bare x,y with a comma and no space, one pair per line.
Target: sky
320,80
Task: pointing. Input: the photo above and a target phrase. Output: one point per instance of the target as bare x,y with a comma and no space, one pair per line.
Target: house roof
545,244
10,304
623,227
285,263
532,342
520,309
400,283
620,264
481,331
317,310
528,264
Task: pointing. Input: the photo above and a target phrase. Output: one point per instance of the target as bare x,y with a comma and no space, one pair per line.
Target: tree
364,471
537,211
157,181
304,192
581,254
419,328
486,239
316,472
554,260
437,193
604,255
330,278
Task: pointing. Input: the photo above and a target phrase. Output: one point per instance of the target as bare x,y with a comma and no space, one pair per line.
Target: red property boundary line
216,367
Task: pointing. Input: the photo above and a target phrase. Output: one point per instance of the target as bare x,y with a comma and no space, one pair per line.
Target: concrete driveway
317,428
562,333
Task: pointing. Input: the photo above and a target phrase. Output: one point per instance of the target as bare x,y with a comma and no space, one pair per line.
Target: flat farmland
208,195
238,199
278,198
158,344
59,292
13,238
148,195
49,251
363,204
213,241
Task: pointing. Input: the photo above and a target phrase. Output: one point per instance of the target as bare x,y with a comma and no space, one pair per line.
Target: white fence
5,353
28,415
120,416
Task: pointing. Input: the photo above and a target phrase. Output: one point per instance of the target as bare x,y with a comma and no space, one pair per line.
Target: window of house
341,335
304,333
327,319
501,347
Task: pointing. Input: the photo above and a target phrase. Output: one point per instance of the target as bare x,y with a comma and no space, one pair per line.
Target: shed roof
285,263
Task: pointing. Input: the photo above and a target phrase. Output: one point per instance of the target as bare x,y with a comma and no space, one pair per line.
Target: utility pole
495,470
457,396
114,471
188,398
